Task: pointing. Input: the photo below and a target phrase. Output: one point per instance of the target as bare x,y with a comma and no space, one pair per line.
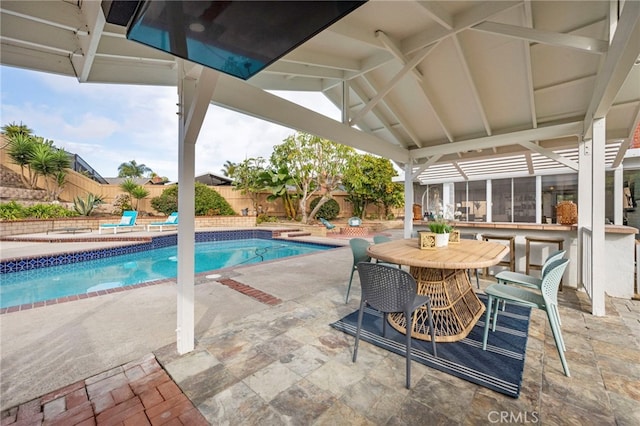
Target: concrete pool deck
256,363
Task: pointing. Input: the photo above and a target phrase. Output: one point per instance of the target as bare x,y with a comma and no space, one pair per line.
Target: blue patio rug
498,368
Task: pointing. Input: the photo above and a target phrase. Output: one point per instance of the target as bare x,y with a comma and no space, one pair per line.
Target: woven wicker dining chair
388,289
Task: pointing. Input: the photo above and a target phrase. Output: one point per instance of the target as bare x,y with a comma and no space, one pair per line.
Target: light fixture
196,27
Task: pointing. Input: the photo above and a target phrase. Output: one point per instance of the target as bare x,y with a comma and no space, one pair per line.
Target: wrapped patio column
195,96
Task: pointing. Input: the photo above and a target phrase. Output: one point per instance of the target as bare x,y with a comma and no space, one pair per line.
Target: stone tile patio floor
285,365
294,370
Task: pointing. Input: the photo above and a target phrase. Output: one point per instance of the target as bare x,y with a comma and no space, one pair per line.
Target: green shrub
15,211
208,201
121,203
328,210
263,217
11,211
48,211
167,202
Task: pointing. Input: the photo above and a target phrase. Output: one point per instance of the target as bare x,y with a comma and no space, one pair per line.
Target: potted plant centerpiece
442,230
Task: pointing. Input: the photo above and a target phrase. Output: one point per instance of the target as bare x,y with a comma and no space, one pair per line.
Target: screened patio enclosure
433,86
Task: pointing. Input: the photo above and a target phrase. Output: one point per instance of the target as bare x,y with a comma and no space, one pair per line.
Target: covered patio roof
425,84
459,90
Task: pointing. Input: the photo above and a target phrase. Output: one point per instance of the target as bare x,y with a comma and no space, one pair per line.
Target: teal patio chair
473,236
172,220
378,239
524,280
128,220
546,300
359,251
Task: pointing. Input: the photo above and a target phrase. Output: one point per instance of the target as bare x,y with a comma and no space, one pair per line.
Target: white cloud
110,124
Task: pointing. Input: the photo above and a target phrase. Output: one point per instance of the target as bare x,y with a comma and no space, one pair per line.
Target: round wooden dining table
441,273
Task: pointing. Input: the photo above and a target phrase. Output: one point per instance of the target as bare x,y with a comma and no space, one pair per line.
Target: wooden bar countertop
613,229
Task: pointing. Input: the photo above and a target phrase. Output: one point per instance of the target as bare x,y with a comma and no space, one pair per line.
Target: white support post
408,200
585,203
194,101
597,218
489,201
345,102
186,227
538,199
618,203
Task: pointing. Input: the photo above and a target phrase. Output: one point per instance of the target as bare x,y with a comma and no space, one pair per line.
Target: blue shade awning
239,38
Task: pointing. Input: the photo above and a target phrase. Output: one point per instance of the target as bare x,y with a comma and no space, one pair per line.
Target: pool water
118,271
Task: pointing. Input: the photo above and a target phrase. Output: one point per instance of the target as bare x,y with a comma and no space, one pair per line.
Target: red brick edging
247,290
138,393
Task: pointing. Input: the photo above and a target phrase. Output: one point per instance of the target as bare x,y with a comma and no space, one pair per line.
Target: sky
108,124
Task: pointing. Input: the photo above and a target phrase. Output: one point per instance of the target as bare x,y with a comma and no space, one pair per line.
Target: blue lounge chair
128,220
172,220
330,226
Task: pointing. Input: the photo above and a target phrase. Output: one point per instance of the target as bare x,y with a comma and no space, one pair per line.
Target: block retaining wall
36,226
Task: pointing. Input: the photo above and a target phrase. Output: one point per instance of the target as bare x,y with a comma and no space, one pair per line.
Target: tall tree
316,166
368,180
132,169
246,178
279,182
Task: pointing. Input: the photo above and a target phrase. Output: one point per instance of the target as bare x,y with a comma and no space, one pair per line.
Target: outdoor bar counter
619,240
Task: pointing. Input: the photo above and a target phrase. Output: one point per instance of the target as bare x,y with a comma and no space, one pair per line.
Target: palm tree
229,168
50,163
132,169
128,186
20,151
12,129
139,193
134,191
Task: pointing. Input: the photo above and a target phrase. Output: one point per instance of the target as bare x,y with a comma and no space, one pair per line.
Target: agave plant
84,207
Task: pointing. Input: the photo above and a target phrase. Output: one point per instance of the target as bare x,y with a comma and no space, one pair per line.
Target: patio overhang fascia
514,138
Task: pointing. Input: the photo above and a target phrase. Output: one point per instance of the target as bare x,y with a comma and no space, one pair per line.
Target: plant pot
442,240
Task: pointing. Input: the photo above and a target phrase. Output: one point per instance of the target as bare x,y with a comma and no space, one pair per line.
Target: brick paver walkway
136,394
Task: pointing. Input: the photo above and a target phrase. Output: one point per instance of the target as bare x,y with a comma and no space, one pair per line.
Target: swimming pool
53,282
